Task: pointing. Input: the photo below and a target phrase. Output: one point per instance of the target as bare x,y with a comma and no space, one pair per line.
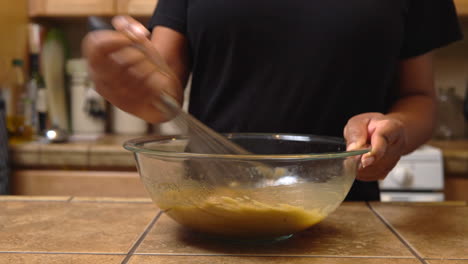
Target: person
356,69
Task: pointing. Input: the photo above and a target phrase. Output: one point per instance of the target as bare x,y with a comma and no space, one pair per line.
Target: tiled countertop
101,152
100,230
107,152
455,155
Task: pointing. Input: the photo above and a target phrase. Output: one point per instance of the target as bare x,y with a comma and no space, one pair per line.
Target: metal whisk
202,138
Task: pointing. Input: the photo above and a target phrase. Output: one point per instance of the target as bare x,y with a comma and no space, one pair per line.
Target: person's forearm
418,115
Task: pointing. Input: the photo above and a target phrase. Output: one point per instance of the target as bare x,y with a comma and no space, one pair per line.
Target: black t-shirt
301,66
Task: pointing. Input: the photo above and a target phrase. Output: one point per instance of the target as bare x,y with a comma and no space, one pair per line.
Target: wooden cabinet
455,187
13,24
462,7
113,7
53,8
71,7
136,7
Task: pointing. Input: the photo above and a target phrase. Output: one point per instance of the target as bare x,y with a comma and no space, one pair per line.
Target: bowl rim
135,146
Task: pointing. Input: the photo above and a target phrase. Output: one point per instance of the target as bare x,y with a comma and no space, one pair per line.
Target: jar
450,122
87,106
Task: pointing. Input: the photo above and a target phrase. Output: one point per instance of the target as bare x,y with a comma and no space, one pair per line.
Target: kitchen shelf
80,8
71,8
462,7
136,7
76,8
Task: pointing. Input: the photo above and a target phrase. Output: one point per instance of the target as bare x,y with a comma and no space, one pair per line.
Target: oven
418,177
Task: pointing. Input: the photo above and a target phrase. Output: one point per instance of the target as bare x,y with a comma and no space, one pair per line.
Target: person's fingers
130,27
115,66
387,133
142,69
127,57
139,35
355,132
379,170
384,134
97,48
367,160
101,43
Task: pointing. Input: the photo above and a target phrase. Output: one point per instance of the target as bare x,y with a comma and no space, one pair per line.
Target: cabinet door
136,7
13,32
71,7
462,7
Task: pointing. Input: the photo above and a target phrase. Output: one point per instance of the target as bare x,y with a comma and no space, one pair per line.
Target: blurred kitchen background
59,137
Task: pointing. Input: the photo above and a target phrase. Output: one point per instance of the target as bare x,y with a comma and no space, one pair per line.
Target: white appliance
418,176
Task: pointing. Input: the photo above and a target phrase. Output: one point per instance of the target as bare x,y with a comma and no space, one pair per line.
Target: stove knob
402,176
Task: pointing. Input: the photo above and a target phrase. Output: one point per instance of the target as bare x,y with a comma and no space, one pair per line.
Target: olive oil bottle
19,123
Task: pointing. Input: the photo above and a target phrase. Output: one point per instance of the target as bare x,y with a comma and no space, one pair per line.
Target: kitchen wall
451,64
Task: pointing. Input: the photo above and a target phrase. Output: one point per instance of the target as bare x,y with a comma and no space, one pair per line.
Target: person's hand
124,74
387,138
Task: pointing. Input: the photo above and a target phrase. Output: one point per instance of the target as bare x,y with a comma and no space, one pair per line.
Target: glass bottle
35,83
18,123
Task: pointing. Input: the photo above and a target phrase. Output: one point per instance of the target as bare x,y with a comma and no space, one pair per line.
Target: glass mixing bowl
291,182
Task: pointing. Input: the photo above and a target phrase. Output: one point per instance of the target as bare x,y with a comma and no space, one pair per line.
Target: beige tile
434,231
447,261
353,230
34,198
111,200
110,156
139,259
113,139
24,155
28,146
72,227
9,258
67,154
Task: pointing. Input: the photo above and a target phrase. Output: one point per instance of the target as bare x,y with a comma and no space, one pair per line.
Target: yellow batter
240,217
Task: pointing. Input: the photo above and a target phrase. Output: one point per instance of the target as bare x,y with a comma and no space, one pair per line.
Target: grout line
398,235
32,200
39,154
446,258
61,253
267,255
141,238
70,199
114,202
88,156
212,255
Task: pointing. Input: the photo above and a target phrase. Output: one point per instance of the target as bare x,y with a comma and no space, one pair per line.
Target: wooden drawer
136,7
77,183
455,187
71,7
